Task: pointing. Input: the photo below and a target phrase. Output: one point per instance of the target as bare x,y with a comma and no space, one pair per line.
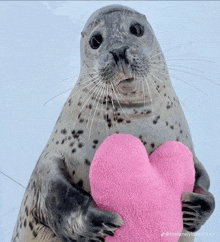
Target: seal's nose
119,54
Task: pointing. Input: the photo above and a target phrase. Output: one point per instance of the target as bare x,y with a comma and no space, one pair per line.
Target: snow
39,59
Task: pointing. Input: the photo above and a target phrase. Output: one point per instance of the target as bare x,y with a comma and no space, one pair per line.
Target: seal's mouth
128,80
127,85
125,80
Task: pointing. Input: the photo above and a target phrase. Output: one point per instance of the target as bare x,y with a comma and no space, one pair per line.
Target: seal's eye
137,29
96,41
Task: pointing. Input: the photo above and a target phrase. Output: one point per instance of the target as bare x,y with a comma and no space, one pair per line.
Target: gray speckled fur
74,140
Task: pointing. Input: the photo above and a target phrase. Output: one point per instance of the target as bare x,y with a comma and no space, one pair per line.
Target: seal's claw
197,208
104,221
100,239
95,224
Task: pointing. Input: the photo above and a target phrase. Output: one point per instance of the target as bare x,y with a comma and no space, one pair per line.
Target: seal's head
118,48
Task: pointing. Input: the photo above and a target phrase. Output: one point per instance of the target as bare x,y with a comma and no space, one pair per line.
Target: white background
39,49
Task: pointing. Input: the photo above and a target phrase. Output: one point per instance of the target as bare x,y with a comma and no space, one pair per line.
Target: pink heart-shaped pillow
146,192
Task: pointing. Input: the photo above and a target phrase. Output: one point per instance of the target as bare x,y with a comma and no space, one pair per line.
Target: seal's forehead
96,17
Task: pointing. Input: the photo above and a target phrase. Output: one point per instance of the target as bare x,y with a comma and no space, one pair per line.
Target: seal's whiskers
57,95
169,59
70,89
157,61
117,89
162,70
185,67
197,75
152,82
107,131
101,91
90,80
88,83
68,78
137,82
165,74
143,82
95,87
153,48
149,91
189,84
99,87
118,100
161,52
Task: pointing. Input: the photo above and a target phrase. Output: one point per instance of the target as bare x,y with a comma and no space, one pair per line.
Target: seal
123,87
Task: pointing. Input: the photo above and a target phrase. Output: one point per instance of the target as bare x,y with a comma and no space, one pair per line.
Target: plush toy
145,191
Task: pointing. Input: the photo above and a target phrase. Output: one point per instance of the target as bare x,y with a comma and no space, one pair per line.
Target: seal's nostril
115,56
120,54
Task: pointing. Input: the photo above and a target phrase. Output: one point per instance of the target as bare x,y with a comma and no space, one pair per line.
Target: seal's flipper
70,212
197,208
